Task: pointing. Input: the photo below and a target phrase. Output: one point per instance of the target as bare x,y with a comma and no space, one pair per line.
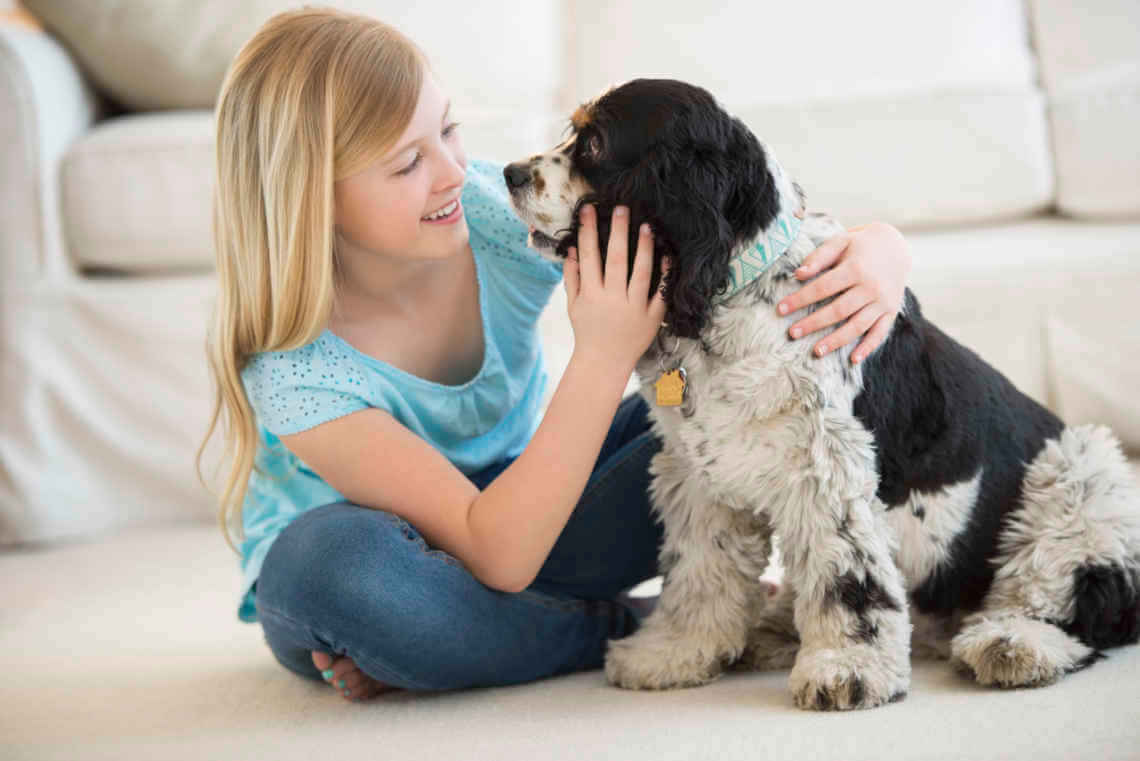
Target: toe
322,660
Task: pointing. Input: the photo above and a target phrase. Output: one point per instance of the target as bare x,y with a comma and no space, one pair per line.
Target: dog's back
941,416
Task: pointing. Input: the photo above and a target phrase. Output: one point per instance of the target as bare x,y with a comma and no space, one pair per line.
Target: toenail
347,693
327,674
340,683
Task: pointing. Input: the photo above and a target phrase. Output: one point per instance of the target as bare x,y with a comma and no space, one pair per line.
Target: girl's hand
869,264
613,320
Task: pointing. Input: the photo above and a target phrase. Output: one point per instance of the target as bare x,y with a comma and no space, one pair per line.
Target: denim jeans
349,580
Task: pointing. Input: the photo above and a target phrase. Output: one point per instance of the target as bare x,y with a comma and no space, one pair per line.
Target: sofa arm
45,103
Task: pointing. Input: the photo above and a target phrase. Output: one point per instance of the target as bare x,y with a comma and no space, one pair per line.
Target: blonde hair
315,95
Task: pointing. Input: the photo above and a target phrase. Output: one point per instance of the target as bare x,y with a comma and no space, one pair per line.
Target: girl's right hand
613,322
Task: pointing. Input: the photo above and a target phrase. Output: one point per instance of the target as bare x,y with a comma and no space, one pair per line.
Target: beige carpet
128,648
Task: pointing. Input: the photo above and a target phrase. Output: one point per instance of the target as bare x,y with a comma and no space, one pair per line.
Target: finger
840,309
589,261
638,291
570,276
875,336
657,303
827,284
617,250
856,326
823,257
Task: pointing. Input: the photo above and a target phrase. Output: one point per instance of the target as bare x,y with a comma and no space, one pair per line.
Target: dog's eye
589,147
594,147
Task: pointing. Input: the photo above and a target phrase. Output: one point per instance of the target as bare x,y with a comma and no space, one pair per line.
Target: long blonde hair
315,95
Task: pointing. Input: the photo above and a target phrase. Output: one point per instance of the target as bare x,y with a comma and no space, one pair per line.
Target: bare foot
346,678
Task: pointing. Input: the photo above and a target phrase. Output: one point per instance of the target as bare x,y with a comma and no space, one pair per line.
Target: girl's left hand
869,265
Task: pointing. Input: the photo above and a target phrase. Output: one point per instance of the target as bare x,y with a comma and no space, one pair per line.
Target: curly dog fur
919,499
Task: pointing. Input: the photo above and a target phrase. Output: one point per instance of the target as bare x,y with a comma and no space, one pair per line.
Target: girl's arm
503,534
869,265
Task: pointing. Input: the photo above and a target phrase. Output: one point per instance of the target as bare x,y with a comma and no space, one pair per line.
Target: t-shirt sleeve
495,227
289,392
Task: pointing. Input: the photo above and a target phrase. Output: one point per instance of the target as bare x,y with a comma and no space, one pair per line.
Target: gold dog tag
671,388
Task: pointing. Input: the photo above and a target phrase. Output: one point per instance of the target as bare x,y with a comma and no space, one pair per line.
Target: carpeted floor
128,648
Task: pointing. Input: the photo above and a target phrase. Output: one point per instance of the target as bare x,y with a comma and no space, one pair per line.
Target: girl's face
385,208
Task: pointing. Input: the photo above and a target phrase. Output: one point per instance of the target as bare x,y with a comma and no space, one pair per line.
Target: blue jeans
345,579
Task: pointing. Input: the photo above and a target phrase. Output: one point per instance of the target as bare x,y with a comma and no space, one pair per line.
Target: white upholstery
968,124
1090,64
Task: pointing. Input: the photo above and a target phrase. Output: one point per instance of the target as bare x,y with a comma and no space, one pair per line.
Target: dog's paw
1013,651
649,661
851,678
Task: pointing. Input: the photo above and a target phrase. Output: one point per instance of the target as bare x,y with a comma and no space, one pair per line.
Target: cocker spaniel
916,494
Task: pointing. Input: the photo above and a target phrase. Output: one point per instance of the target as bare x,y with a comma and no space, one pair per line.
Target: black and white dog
916,493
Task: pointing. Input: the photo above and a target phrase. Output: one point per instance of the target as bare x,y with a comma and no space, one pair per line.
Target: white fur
926,525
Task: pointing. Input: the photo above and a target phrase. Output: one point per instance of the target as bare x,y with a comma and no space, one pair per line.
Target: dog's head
670,153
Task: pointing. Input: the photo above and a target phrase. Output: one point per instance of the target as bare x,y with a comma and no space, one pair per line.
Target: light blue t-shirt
492,416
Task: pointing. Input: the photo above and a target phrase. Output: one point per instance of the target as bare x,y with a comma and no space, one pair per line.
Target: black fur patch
861,597
939,414
1107,607
857,691
696,174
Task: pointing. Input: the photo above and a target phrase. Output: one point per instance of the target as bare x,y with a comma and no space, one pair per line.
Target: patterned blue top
492,416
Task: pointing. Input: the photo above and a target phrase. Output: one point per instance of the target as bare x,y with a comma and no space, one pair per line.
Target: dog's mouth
539,240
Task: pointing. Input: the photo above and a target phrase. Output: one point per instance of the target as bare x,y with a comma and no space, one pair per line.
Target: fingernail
783,308
340,683
858,358
645,229
822,350
620,211
587,210
797,332
327,674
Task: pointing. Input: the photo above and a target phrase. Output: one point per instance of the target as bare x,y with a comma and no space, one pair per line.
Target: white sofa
1000,136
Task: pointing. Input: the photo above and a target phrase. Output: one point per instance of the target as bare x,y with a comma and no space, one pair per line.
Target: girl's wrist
607,368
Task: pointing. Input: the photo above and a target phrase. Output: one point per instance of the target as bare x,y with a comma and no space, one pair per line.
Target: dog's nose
517,176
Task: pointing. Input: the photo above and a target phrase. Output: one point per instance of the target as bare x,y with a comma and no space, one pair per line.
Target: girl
407,520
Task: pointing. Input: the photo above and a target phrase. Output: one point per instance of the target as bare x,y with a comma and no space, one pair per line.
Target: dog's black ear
755,200
700,240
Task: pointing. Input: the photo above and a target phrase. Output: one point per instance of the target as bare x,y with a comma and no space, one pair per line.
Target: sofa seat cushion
136,192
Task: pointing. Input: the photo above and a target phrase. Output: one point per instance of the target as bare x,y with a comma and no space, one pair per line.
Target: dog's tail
1107,610
1086,466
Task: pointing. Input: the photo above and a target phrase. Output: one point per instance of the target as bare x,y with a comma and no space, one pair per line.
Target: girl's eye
415,162
448,131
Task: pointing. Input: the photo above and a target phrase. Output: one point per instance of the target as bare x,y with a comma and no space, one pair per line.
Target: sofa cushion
136,191
912,113
154,54
1090,64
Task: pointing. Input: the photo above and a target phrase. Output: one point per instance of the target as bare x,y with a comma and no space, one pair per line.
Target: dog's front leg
850,606
712,557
